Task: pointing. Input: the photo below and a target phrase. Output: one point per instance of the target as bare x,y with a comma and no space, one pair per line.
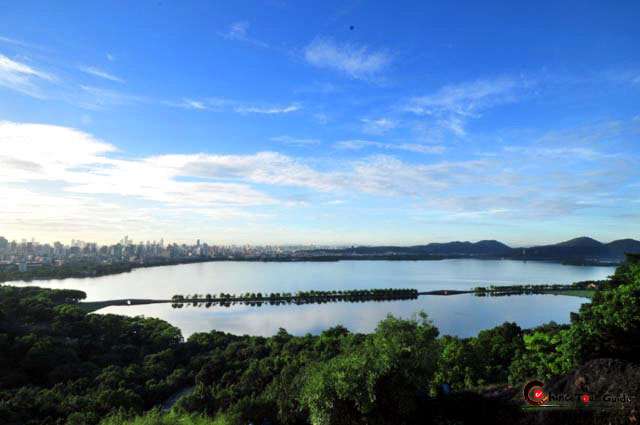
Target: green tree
609,326
379,381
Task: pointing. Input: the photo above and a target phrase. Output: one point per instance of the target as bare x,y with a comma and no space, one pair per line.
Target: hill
621,246
582,249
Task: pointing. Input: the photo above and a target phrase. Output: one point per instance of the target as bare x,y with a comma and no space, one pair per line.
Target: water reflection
462,315
209,304
232,277
300,298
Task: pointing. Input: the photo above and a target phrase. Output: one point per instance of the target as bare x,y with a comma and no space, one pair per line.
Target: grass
584,293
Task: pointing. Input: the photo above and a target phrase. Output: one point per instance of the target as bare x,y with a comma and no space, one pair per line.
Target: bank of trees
47,271
300,296
506,290
59,365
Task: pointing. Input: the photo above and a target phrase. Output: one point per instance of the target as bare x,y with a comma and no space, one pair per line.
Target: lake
462,315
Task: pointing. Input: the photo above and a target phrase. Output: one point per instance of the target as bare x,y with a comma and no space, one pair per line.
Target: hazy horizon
331,123
166,242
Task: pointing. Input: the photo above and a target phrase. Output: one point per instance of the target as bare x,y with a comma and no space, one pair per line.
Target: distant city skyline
329,123
126,240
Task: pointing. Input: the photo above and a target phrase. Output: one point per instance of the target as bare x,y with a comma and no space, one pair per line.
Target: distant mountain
582,249
449,248
487,247
575,249
581,242
622,246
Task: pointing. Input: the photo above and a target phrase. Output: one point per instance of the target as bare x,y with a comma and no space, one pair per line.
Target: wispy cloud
216,104
268,110
15,42
564,153
239,31
357,61
110,56
45,152
453,105
629,77
321,117
318,87
99,73
22,77
97,97
295,141
410,147
168,188
378,126
186,103
194,104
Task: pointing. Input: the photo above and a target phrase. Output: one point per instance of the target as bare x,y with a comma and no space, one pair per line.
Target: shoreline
83,271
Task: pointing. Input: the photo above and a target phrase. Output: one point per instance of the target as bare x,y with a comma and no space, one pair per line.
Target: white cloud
96,98
21,77
46,152
410,147
453,105
19,43
378,174
564,153
217,104
268,110
318,87
238,31
36,152
357,61
27,79
50,153
467,98
321,118
110,57
59,177
214,104
194,104
295,141
188,104
629,77
378,126
99,73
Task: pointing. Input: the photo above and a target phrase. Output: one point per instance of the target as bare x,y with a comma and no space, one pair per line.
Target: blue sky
275,122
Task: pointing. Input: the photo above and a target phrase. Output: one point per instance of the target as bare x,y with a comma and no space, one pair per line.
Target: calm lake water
462,315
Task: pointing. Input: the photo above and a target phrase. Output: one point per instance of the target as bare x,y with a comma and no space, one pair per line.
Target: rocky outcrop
613,387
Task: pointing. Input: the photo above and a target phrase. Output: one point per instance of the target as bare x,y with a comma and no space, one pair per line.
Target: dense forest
60,365
87,269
